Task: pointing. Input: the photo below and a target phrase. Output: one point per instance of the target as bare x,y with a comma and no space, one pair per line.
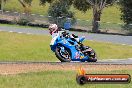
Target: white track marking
123,44
20,32
91,40
10,31
33,14
28,33
15,12
41,15
7,11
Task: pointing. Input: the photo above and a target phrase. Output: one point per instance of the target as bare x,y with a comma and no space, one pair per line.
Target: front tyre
63,54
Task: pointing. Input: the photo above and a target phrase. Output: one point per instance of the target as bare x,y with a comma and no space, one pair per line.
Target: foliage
23,21
110,14
126,9
97,5
3,0
81,5
1,3
42,2
59,12
26,5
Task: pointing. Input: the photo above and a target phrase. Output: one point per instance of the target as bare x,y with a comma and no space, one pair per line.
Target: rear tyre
63,56
92,55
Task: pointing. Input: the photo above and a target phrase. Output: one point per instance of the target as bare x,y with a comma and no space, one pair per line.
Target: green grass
110,51
110,14
14,5
22,47
113,26
55,79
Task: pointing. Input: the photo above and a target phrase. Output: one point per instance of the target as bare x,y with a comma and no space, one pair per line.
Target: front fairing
54,43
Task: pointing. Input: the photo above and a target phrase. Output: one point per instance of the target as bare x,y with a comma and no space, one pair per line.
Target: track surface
100,62
118,39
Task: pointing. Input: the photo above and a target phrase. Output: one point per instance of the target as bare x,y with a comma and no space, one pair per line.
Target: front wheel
63,54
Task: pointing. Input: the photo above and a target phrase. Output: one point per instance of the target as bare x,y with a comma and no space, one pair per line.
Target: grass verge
55,79
22,47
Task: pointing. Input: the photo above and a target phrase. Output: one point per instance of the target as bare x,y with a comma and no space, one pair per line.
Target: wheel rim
64,54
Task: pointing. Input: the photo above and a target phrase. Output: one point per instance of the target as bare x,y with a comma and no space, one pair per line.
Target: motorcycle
68,49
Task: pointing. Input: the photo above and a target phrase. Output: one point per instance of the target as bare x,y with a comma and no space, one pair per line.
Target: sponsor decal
77,55
83,78
81,57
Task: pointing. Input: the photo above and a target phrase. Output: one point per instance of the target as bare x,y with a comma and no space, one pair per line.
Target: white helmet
53,28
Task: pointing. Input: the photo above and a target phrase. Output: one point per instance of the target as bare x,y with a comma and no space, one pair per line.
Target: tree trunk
0,6
96,19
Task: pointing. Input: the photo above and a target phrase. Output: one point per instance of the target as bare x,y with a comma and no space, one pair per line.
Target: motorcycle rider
54,30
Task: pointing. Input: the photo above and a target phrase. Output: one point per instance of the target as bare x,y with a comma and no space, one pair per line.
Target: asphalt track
117,39
99,62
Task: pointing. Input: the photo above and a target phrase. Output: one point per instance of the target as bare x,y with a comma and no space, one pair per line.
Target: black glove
65,34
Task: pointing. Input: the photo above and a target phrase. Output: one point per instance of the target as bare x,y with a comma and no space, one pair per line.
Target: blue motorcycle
69,49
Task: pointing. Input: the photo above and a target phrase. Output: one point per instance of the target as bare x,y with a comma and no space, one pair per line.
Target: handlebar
65,34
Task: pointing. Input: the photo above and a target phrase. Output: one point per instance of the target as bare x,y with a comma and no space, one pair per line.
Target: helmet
53,28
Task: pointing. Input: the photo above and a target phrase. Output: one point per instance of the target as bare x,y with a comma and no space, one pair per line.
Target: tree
1,4
25,19
96,5
84,5
42,2
26,5
126,9
59,12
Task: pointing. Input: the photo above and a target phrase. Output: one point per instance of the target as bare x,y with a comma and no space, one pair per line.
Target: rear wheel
63,54
92,54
